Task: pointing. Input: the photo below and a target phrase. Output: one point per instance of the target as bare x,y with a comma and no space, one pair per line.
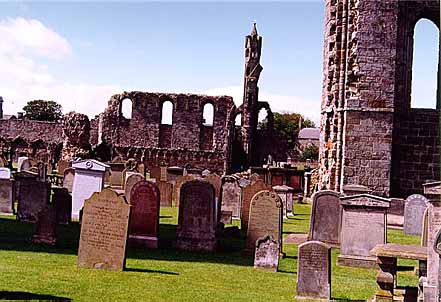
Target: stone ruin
76,136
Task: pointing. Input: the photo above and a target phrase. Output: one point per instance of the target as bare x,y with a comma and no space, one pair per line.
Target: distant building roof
309,133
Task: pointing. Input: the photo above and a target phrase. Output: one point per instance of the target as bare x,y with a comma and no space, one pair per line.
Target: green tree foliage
310,152
42,110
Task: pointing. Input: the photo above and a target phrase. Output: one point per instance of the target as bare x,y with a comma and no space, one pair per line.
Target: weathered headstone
62,202
267,254
325,221
5,173
116,175
23,164
265,219
314,270
197,221
216,181
247,194
226,217
104,229
131,181
424,227
33,196
352,189
46,226
144,214
230,193
363,227
89,178
6,195
68,179
285,194
414,209
180,180
166,191
62,165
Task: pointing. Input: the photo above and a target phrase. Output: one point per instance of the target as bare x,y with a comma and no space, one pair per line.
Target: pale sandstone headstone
144,214
104,229
267,254
285,194
314,270
131,181
265,219
6,195
414,209
197,217
247,194
325,221
68,179
166,192
62,165
23,164
230,196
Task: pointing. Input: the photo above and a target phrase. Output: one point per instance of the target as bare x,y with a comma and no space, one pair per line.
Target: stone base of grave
143,241
306,299
430,292
191,244
357,261
44,240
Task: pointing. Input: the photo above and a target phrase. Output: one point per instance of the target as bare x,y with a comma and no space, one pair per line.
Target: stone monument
46,227
230,196
68,179
267,254
247,194
32,196
285,193
414,209
6,191
131,181
166,192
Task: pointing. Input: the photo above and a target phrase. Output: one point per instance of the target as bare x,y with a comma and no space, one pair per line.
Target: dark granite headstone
144,214
104,228
413,214
314,270
197,217
33,196
267,254
46,227
62,202
325,221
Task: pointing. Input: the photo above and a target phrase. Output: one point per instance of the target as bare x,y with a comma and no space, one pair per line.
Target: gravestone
62,165
314,270
243,182
32,196
197,221
414,209
265,219
46,226
23,164
62,202
144,214
247,194
325,221
216,181
364,223
285,194
352,189
166,191
267,252
89,178
68,179
104,229
226,217
116,175
230,196
5,173
424,227
180,180
131,181
6,191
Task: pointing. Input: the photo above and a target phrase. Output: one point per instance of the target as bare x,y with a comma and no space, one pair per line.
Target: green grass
167,274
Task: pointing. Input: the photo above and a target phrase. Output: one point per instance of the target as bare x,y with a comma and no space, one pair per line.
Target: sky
81,53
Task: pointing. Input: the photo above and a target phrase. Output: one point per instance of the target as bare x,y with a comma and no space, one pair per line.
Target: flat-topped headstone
314,270
197,220
131,181
68,179
216,181
325,221
62,165
89,178
285,193
414,209
247,194
23,164
46,226
432,189
265,219
104,229
352,189
166,193
144,214
363,227
5,173
33,196
230,196
62,201
267,253
6,195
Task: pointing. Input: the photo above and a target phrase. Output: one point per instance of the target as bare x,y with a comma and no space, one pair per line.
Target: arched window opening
167,113
262,119
208,115
126,108
238,120
425,67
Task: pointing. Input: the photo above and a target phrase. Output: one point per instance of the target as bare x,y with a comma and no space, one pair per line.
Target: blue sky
80,53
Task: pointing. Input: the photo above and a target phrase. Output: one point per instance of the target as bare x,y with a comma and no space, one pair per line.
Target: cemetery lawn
28,271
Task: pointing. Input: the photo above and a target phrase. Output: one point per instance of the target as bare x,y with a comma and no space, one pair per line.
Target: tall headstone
285,194
230,196
314,270
267,254
216,181
6,191
89,178
68,179
325,221
425,227
46,226
23,164
197,220
144,214
363,227
414,209
131,181
33,196
104,229
62,201
247,194
265,219
180,180
166,192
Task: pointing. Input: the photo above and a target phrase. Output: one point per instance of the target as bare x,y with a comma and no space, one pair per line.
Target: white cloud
278,103
23,78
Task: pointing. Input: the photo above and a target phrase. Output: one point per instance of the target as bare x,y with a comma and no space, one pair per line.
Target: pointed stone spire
254,30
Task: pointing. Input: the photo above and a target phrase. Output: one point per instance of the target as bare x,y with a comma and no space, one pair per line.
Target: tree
42,110
310,152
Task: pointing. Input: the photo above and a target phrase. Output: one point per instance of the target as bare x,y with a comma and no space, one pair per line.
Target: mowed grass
165,274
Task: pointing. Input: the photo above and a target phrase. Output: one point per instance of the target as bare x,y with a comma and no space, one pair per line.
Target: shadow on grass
25,296
141,270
